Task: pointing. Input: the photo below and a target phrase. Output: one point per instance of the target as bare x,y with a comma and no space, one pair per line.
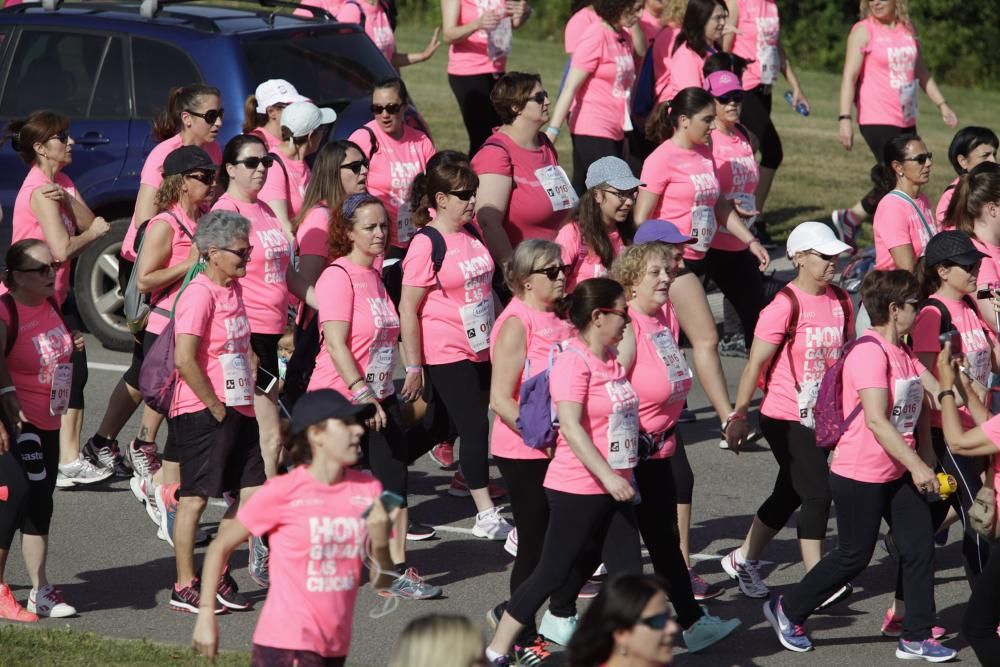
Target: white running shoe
142,489
48,601
746,573
81,471
491,525
510,546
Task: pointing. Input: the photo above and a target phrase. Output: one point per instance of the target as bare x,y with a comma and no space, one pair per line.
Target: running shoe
416,532
143,457
104,453
80,471
733,346
491,525
746,573
557,629
534,654
228,593
142,490
11,610
845,226
166,505
494,615
257,566
892,626
48,601
839,595
793,637
187,598
929,650
443,454
702,589
411,586
500,661
510,545
589,590
708,630
460,488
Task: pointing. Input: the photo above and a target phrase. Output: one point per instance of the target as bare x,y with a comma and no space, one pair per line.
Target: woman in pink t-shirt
798,337
882,70
324,521
658,371
35,373
700,36
262,110
903,222
523,192
589,483
969,147
975,210
372,15
593,238
479,34
596,90
883,465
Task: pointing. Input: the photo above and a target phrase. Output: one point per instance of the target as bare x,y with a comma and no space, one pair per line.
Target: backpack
644,98
8,300
138,306
536,415
829,413
158,374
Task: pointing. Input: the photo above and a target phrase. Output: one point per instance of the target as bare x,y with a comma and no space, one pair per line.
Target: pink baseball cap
722,82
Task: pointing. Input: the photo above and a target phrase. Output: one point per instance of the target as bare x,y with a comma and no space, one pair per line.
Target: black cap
951,246
318,406
187,158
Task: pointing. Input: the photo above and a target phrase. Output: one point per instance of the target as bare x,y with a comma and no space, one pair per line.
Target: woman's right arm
409,322
853,60
63,246
451,31
491,207
574,79
903,257
145,204
584,448
186,363
511,346
232,534
761,353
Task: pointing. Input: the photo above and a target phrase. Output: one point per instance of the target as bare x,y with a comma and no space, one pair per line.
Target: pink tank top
888,87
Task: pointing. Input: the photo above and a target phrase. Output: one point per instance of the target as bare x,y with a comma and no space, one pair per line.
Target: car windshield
331,68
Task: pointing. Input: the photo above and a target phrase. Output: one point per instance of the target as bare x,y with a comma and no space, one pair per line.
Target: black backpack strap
438,246
786,339
945,315
8,300
371,135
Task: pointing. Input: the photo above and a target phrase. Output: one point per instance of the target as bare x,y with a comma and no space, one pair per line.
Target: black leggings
28,505
803,479
463,387
861,506
680,468
982,615
386,449
756,116
739,279
586,151
657,517
579,526
877,136
473,95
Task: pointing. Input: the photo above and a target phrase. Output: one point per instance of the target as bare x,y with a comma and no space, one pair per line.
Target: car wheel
98,294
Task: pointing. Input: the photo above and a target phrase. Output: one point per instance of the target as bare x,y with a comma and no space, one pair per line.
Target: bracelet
360,392
351,386
553,129
946,392
7,390
363,396
413,370
844,116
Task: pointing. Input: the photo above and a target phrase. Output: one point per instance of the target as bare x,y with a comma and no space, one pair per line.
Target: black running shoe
188,598
418,531
228,593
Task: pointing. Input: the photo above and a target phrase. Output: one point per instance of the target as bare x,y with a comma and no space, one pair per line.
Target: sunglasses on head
210,116
252,163
921,159
355,166
206,177
657,621
730,98
62,136
243,254
44,268
552,272
539,97
390,108
464,195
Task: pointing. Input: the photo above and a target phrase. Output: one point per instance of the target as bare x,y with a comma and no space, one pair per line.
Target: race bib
678,371
908,396
378,373
62,380
623,439
555,182
405,229
477,319
498,40
908,102
236,379
980,363
806,398
770,63
703,227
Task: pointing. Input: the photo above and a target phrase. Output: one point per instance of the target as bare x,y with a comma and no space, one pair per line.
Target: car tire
98,294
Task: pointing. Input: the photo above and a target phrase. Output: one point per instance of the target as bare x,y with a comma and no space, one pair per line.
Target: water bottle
800,107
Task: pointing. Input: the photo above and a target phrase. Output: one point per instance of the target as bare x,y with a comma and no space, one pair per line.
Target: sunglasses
206,177
210,116
624,195
921,159
62,136
552,272
539,97
730,98
44,268
243,254
614,311
390,108
657,621
252,163
464,195
825,258
968,268
355,166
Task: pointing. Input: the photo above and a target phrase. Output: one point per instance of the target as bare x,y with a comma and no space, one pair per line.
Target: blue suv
110,66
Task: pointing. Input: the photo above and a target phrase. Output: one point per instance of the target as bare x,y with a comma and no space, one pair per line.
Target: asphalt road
105,555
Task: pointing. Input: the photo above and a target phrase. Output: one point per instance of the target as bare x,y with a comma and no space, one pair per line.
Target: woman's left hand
432,45
948,116
798,97
757,248
78,340
378,420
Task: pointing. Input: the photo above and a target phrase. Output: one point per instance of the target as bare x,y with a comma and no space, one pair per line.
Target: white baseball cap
276,91
814,236
304,117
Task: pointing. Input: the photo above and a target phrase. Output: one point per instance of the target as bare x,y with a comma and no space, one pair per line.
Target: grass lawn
817,175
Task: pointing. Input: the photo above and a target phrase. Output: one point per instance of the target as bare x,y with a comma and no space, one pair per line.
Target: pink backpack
829,413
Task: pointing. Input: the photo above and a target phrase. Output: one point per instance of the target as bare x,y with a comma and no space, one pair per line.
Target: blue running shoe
929,650
258,565
791,636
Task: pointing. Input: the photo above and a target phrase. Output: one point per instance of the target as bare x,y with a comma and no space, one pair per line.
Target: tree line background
959,38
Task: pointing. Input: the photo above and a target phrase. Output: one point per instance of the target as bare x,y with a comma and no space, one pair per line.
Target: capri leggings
803,479
680,468
463,387
28,505
877,136
756,116
472,92
386,449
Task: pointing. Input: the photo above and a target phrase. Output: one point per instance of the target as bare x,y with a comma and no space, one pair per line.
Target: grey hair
219,229
529,255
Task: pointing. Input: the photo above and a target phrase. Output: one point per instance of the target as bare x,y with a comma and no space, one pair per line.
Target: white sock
740,558
492,655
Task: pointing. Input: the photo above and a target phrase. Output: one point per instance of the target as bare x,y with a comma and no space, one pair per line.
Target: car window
52,70
157,67
111,93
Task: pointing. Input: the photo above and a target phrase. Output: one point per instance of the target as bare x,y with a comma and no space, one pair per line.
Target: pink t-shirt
660,375
977,343
685,71
457,313
392,170
610,417
685,181
484,51
377,25
942,207
601,105
649,24
738,174
584,262
350,293
542,196
313,234
577,25
43,342
757,33
896,223
816,346
180,248
270,141
660,53
290,189
543,331
858,455
887,87
264,287
989,269
152,176
317,539
25,224
991,428
217,316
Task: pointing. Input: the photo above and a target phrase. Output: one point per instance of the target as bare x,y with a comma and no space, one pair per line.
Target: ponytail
974,191
181,99
445,171
929,279
884,179
578,306
667,116
251,119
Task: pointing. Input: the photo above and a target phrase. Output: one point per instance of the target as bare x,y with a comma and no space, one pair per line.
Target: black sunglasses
825,258
614,311
206,177
464,195
252,163
355,166
921,159
391,108
552,272
657,621
539,97
44,268
243,254
728,98
968,268
62,136
209,116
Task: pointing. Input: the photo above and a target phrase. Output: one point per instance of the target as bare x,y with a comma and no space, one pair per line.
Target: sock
492,655
740,558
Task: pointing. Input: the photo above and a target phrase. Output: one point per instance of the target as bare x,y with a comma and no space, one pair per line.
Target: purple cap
662,231
721,82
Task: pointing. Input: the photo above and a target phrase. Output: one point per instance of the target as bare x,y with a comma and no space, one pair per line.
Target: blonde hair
439,640
902,12
630,265
529,255
673,11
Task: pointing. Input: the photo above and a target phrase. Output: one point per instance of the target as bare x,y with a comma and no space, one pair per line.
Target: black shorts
217,456
265,346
